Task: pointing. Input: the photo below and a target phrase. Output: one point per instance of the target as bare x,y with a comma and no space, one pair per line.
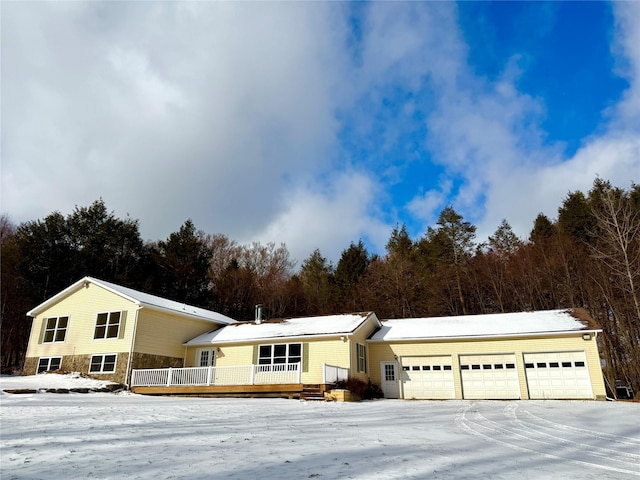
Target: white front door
206,357
389,376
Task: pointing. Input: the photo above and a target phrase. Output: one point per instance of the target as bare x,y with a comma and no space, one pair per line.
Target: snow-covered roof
139,298
493,325
327,325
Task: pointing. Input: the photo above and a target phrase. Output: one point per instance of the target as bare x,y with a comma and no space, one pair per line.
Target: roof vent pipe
258,314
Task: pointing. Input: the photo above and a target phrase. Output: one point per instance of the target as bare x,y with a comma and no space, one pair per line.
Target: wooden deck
290,390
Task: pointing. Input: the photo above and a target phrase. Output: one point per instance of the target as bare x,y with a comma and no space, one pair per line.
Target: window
107,325
389,373
579,364
426,367
55,329
103,363
280,353
361,352
49,363
206,357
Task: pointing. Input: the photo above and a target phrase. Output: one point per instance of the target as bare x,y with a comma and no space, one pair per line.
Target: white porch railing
332,374
237,375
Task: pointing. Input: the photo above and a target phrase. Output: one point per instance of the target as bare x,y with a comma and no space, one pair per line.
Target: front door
389,376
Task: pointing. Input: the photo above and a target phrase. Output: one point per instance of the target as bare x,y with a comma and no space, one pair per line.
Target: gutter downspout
127,376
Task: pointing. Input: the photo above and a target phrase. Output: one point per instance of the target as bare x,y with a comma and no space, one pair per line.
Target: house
106,330
162,347
525,355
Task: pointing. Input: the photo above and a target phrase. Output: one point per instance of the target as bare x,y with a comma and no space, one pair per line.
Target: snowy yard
102,435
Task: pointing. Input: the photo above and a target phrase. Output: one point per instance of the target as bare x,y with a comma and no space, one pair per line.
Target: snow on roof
140,298
501,324
289,327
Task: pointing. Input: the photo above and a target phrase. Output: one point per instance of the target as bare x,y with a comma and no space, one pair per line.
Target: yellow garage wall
379,352
163,333
82,307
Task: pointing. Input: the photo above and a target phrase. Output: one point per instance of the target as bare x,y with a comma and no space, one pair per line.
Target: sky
316,124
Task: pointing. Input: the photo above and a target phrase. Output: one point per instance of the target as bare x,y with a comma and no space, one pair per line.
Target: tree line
589,256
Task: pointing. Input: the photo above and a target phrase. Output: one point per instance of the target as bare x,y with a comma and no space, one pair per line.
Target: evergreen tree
316,275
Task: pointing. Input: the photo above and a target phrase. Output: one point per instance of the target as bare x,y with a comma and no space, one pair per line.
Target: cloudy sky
316,123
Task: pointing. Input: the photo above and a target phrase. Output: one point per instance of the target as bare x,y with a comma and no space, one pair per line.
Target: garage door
428,377
557,375
489,376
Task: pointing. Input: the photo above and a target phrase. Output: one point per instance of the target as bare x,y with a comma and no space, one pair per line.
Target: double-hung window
107,325
55,329
280,353
361,352
103,363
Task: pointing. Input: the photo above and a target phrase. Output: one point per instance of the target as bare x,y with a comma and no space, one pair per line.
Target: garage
429,377
557,375
490,376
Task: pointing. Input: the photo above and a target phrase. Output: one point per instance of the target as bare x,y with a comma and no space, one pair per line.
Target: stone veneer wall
80,363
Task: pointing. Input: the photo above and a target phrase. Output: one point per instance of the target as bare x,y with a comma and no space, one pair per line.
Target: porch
244,380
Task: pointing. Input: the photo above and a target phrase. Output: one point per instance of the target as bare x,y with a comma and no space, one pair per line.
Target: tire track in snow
599,435
634,459
474,427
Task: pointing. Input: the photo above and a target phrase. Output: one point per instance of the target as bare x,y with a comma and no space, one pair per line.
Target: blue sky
316,123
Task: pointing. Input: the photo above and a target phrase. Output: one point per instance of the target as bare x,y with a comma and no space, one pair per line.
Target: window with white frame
207,357
280,353
103,363
55,329
107,325
49,363
361,351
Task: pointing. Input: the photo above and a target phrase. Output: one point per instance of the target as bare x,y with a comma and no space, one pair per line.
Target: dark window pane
265,351
511,365
62,322
51,323
60,335
541,365
279,360
264,361
475,367
406,369
464,367
486,366
43,365
112,331
279,350
415,367
554,364
114,318
447,367
528,365
96,363
498,366
437,367
55,364
102,319
566,364
48,336
426,367
295,359
579,364
295,350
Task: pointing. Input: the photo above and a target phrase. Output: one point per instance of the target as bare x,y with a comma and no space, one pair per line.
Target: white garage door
492,376
557,375
428,377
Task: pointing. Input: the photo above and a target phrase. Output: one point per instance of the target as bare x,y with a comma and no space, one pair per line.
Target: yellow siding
360,336
316,352
379,352
163,333
82,307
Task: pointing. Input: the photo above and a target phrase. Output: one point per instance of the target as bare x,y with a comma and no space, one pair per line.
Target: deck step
312,392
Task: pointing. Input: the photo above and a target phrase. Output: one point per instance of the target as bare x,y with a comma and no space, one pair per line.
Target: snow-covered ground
102,435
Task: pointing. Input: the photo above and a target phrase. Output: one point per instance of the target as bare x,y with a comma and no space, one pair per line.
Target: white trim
55,330
298,339
482,337
106,326
48,363
103,355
